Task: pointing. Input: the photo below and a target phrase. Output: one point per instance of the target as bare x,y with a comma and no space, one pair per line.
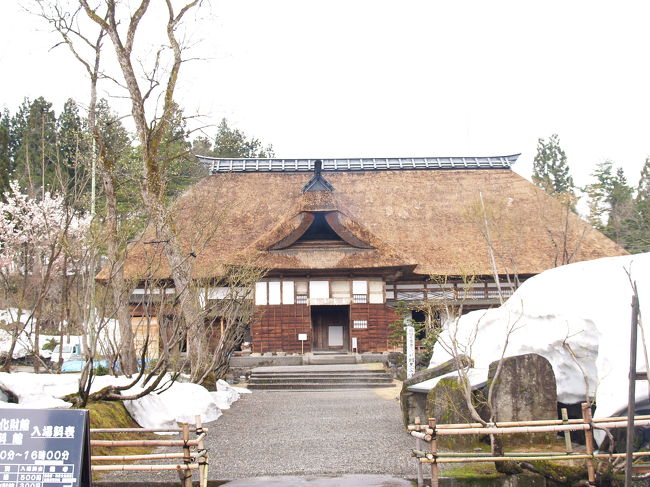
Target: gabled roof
430,221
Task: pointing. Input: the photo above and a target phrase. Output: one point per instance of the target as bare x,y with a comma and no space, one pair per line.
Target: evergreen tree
34,145
201,146
611,204
73,150
550,168
181,169
5,152
641,224
234,143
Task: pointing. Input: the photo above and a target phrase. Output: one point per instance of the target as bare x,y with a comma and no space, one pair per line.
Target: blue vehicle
76,364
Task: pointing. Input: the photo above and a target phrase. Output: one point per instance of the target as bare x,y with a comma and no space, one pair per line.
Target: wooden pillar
589,442
567,434
418,446
434,451
631,398
186,474
202,460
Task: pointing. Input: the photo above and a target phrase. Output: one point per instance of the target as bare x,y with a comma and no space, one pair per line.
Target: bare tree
150,132
87,49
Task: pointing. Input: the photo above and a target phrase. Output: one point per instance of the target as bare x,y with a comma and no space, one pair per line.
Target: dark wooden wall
278,326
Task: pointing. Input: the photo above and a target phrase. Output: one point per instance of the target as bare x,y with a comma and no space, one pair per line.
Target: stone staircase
318,377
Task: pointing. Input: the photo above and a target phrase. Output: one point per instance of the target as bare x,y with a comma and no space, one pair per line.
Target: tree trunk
117,283
187,298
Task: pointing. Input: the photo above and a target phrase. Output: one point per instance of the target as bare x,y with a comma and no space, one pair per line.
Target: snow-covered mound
577,316
181,402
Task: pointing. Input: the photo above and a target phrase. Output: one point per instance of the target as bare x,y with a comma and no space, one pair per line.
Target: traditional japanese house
345,240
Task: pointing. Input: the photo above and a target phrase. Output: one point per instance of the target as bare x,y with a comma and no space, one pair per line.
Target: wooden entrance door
330,327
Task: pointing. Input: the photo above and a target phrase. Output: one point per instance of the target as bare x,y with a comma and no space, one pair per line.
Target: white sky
375,78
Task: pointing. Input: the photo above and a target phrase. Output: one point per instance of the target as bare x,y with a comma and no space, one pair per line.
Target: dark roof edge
216,164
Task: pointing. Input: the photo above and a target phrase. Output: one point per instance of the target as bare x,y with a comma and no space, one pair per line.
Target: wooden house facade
345,240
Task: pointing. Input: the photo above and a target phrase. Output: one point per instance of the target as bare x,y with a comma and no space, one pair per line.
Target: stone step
370,373
319,386
319,380
319,377
332,359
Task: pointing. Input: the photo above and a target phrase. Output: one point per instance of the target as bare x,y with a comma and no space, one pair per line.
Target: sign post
302,337
410,348
44,448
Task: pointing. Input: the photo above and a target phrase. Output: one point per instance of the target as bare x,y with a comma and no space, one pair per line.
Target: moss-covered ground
473,471
113,414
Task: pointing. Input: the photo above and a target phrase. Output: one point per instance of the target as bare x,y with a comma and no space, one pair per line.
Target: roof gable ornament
317,181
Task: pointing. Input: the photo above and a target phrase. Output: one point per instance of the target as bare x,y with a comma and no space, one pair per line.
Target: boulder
446,402
414,404
525,390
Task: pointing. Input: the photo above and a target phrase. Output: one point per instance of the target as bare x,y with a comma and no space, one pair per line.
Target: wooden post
589,442
567,434
202,460
186,474
418,446
434,452
631,398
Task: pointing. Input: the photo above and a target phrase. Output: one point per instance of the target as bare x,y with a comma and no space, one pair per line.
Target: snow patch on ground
181,402
576,316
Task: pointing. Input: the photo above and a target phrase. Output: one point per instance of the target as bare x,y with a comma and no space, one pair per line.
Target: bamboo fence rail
430,431
193,454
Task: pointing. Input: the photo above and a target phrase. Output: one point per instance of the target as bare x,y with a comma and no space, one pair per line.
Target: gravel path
304,433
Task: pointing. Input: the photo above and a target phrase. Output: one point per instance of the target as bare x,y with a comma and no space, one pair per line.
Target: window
376,292
275,292
261,294
340,289
319,289
359,291
287,292
360,324
302,292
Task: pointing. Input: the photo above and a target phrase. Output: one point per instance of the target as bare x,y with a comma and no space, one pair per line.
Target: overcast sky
373,78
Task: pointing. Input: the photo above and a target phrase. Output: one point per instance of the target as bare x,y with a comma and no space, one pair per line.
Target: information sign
410,351
44,448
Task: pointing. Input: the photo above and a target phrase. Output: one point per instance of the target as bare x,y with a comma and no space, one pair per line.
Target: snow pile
40,391
226,394
576,316
181,402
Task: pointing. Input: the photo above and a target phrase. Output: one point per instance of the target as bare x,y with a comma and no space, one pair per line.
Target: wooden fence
430,432
193,454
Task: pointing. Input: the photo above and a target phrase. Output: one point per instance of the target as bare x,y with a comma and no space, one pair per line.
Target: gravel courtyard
302,433
270,433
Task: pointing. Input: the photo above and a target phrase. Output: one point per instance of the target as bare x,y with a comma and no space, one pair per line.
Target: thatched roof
428,221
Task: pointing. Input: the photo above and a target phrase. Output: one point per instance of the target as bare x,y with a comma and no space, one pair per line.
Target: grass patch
473,471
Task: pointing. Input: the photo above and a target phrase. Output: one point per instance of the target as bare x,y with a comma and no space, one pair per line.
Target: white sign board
302,337
410,351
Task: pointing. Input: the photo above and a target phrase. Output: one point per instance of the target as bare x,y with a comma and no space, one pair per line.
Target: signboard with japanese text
410,351
44,448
